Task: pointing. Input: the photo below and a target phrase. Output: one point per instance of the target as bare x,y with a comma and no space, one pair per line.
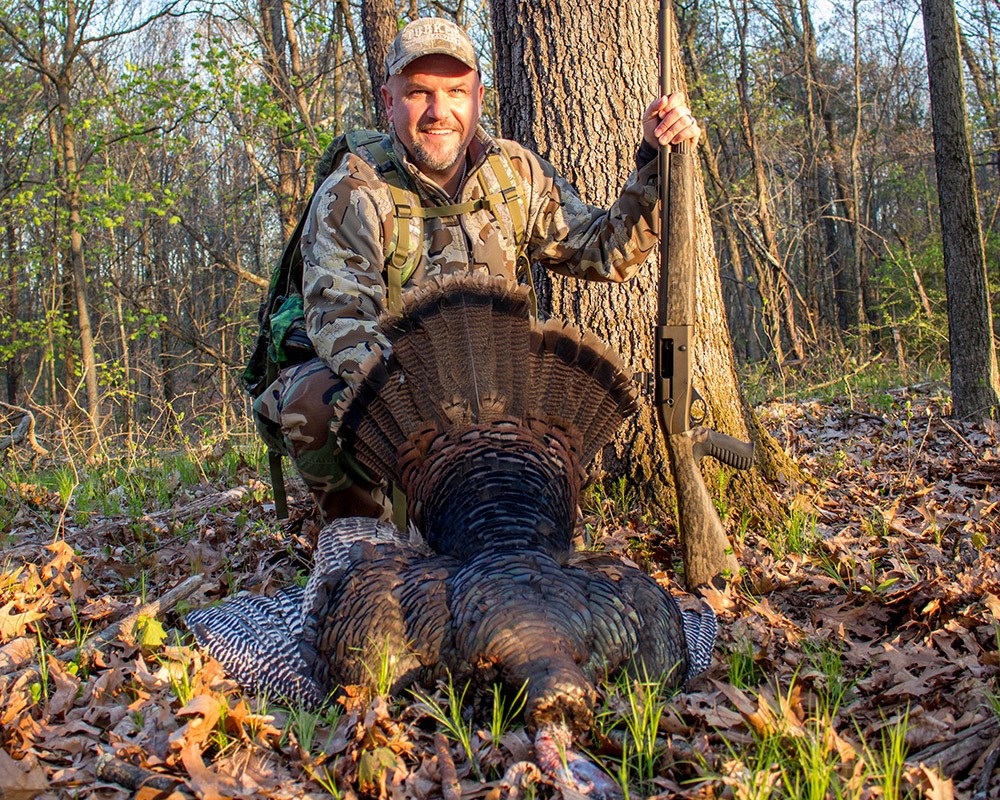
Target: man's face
434,106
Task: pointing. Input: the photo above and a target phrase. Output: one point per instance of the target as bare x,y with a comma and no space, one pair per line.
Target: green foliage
151,632
797,534
836,376
449,714
630,712
889,760
133,482
42,691
612,501
305,725
382,673
827,662
505,710
744,672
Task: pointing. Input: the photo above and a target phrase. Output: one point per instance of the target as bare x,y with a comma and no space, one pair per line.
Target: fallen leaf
13,622
206,783
67,685
21,780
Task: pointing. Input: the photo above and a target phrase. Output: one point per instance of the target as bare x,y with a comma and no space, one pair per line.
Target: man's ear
387,101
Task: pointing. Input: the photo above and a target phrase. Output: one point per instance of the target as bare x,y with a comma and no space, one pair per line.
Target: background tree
51,42
380,24
975,385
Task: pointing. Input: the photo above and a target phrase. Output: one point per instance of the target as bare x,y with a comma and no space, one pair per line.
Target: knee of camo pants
264,411
298,406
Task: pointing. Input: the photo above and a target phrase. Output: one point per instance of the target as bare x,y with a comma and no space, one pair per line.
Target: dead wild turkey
486,419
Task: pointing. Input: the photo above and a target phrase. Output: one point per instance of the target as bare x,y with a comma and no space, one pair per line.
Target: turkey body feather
487,420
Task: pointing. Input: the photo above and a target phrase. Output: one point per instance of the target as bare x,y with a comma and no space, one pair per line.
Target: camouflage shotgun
706,551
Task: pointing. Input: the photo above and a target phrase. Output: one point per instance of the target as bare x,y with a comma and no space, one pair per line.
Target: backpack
282,340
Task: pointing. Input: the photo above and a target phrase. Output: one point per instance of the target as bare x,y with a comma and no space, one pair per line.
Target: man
509,207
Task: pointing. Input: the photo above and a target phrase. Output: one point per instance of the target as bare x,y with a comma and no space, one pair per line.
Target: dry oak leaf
16,653
205,710
63,558
933,785
207,784
21,780
13,623
67,685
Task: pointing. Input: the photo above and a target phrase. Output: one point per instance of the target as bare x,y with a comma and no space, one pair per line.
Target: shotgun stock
708,557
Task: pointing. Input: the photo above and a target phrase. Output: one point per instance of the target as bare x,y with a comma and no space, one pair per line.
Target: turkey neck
495,489
519,612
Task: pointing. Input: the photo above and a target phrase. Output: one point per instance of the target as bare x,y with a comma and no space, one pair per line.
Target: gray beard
441,163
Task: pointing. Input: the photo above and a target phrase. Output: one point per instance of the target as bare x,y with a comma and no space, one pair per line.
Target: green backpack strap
405,248
513,197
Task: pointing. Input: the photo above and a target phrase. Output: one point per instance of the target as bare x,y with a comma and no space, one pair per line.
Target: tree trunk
562,94
745,299
369,101
13,366
773,281
379,26
858,240
984,95
824,282
975,386
71,197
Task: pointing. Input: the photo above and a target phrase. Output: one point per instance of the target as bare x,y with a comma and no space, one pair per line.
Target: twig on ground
857,371
983,782
124,627
972,450
230,497
133,777
451,789
958,753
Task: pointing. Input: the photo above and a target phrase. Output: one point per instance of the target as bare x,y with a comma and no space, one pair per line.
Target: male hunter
357,256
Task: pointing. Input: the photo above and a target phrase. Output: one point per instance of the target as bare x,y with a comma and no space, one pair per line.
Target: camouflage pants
293,416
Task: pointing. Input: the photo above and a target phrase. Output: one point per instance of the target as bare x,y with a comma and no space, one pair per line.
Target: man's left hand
668,120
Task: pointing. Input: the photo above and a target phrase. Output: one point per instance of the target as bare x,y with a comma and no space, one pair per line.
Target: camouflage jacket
351,220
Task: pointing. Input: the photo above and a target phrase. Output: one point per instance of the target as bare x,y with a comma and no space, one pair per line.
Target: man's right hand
668,120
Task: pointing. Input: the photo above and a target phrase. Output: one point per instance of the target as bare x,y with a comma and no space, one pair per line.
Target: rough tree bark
573,82
975,386
379,24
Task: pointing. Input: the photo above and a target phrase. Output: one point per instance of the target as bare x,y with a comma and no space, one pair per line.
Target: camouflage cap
428,35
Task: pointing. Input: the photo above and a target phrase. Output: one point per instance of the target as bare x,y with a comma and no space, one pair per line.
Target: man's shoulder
525,162
354,165
514,150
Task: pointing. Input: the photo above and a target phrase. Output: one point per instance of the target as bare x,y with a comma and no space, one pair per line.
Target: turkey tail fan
579,381
457,346
465,352
378,432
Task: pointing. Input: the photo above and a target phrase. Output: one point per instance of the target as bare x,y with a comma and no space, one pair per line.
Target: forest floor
858,655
